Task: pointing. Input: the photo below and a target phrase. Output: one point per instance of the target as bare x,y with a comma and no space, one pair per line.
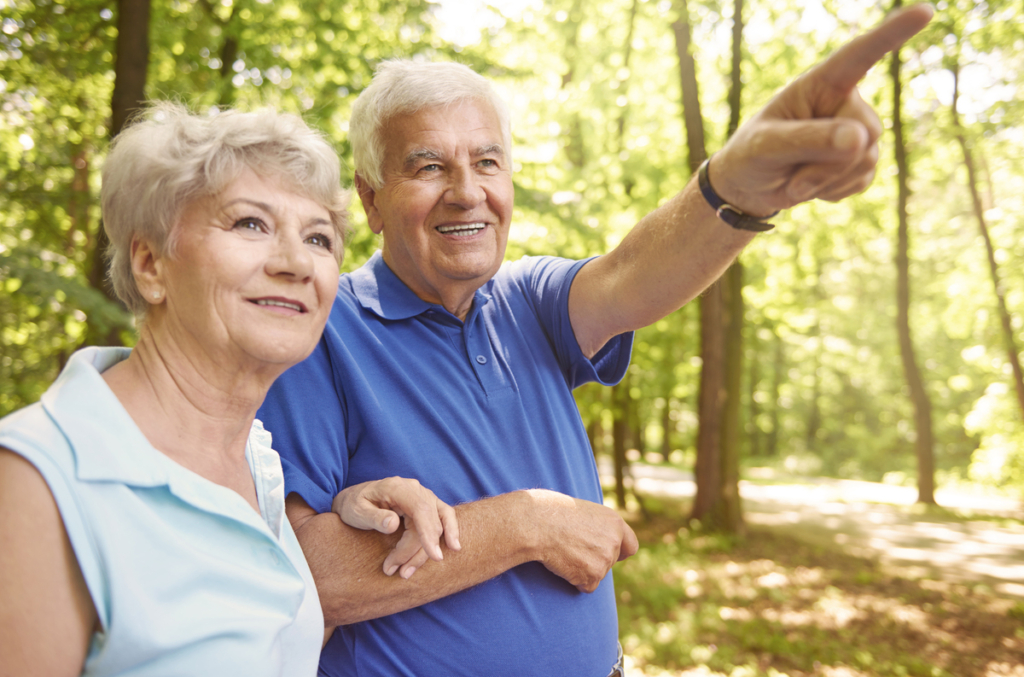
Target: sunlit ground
694,604
876,520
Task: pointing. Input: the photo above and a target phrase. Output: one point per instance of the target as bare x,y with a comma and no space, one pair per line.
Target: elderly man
441,364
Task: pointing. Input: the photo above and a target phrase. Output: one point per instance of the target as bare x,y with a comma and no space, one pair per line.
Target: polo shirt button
481,359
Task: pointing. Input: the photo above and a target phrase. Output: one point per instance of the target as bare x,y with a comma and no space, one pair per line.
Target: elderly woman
142,525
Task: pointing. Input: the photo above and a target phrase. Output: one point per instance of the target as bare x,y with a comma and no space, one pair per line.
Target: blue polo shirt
399,386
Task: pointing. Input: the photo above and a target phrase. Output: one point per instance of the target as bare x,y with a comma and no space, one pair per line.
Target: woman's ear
147,267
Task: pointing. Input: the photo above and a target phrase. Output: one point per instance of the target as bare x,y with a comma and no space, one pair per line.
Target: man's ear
147,268
368,196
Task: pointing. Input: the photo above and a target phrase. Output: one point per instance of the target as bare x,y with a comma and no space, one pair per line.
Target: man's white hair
403,87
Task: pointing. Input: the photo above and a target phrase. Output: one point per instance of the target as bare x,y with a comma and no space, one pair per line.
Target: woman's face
252,276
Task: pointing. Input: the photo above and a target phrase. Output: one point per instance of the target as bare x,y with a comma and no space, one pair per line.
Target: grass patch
768,605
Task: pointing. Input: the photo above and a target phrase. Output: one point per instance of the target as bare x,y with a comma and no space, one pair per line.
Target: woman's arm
47,616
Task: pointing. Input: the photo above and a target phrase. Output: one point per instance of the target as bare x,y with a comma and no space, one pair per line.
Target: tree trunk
593,435
228,56
732,301
814,413
627,53
666,428
131,62
637,428
979,214
754,435
717,501
732,316
130,66
778,365
708,467
924,442
619,395
574,147
692,118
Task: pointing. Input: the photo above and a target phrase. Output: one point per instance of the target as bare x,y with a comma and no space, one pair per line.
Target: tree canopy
599,141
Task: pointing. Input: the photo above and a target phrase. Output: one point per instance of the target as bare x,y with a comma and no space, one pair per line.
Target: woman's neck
195,409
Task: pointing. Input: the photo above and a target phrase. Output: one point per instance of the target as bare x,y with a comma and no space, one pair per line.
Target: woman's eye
321,240
249,223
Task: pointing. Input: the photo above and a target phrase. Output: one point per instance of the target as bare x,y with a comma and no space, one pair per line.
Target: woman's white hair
403,87
169,157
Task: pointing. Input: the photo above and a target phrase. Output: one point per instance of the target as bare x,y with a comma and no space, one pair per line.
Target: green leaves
594,89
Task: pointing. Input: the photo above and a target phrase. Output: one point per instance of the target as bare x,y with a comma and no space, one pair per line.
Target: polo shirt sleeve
547,281
306,419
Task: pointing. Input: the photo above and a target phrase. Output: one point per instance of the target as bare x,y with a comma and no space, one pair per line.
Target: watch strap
726,212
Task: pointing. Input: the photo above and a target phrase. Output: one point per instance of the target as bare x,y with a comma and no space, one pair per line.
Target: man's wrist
534,513
727,212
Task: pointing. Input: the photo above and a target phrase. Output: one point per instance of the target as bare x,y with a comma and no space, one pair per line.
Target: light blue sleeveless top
186,578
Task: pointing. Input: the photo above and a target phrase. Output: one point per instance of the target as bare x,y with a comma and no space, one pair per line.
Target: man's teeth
284,304
462,229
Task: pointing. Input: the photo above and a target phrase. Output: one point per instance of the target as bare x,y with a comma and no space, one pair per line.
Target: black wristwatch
727,212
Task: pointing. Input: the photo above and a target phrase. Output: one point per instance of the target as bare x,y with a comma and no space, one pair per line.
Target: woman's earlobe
146,270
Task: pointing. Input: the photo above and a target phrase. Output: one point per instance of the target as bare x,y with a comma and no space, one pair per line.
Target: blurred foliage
597,123
768,605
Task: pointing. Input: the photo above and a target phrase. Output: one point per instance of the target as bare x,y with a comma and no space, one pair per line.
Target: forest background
876,338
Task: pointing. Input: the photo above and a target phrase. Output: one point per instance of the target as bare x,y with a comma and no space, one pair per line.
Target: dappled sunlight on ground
691,604
870,519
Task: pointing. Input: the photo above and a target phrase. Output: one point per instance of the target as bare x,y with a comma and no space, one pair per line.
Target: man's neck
456,297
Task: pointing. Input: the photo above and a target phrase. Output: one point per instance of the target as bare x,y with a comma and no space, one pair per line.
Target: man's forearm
669,258
347,562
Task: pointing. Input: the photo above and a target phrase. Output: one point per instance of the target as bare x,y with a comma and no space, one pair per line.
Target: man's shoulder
531,270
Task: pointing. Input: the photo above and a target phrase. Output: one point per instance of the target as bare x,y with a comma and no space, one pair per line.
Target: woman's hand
382,504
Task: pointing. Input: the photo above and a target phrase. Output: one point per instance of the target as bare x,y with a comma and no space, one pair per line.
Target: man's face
446,202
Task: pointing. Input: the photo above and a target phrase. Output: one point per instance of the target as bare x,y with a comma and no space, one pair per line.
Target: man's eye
489,163
430,168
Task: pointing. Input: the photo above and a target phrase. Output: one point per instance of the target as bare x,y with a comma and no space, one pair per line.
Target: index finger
851,62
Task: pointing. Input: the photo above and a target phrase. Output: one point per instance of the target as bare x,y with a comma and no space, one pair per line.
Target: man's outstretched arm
816,139
575,539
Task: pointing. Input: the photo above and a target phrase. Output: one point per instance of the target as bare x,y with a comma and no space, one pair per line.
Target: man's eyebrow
493,149
421,154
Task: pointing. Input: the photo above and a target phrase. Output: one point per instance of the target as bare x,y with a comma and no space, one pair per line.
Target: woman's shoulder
32,434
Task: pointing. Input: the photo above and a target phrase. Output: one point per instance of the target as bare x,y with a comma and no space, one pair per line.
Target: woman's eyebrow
315,221
249,201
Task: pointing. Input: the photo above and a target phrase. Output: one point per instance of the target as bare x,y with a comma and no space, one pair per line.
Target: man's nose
464,189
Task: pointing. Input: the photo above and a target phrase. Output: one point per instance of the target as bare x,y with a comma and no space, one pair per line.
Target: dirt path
880,521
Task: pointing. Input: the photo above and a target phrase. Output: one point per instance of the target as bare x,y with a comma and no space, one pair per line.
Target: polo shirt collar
381,292
86,410
109,447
